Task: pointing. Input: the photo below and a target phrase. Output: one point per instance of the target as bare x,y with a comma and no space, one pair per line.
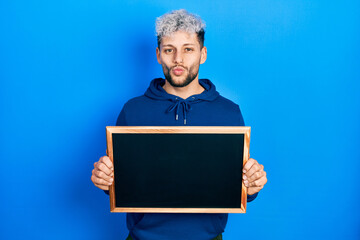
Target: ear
158,55
203,55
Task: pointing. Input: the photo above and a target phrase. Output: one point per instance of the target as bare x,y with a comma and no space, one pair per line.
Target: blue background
67,68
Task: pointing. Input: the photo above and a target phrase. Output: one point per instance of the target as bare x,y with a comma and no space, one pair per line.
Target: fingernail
244,177
244,171
111,180
246,182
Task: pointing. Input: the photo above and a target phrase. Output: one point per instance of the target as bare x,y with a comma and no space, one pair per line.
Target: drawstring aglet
177,117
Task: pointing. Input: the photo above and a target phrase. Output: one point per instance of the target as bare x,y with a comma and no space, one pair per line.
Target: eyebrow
186,44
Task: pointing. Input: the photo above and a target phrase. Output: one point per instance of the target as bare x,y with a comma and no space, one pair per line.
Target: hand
254,176
103,173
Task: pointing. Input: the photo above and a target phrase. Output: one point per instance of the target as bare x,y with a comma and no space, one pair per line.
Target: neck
184,92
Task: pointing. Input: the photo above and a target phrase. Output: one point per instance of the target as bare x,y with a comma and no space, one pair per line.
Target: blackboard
178,169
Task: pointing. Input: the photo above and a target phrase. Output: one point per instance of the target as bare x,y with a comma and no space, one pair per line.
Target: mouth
178,71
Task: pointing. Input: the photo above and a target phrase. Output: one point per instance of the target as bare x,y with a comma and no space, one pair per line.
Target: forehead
180,38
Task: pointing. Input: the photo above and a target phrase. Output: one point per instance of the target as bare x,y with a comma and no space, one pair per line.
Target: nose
178,57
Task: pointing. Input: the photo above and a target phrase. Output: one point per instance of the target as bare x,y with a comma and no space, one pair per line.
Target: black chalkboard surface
178,169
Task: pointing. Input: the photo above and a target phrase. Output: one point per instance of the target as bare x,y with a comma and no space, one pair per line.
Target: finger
102,175
258,183
106,160
248,164
254,168
102,187
104,168
257,175
100,181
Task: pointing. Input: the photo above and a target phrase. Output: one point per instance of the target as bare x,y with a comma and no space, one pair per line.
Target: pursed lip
178,70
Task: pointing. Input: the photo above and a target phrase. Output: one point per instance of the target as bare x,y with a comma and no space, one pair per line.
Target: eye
169,50
189,49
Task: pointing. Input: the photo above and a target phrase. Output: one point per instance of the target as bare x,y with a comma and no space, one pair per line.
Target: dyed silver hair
177,20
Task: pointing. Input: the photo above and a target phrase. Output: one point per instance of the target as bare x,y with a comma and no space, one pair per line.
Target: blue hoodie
158,108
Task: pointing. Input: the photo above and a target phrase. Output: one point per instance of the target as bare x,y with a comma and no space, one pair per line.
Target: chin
178,81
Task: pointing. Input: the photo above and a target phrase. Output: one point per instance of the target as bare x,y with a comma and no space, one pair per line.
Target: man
180,99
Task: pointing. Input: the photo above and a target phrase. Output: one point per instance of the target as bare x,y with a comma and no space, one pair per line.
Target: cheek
165,61
195,63
194,60
165,67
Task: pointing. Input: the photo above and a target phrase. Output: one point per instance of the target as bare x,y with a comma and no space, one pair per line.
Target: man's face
180,56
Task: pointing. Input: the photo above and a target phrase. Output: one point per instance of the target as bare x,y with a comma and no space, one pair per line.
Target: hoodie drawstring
186,107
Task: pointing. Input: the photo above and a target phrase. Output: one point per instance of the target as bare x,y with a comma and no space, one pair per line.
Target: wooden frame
110,130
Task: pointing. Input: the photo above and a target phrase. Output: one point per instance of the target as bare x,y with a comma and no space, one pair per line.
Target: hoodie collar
156,91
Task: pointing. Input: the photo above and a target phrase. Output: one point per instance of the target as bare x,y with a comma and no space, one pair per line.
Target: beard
193,71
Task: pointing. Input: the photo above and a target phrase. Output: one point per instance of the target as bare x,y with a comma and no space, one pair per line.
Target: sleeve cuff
251,197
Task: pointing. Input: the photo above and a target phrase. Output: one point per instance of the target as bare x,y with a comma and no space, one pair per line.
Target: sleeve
250,198
241,119
121,120
242,123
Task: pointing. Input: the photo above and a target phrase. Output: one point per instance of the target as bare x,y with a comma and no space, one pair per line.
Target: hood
155,91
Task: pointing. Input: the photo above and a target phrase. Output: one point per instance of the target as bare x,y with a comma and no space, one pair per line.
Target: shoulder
227,103
230,109
136,103
128,109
